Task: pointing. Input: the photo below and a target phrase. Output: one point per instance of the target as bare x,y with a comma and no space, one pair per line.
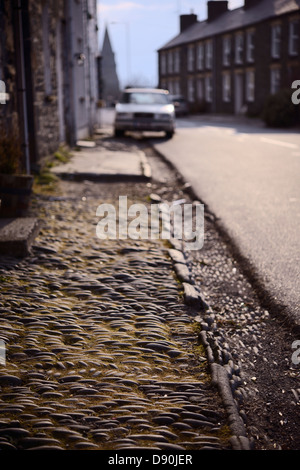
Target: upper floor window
226,50
250,46
176,61
239,48
294,37
209,54
200,56
191,58
276,41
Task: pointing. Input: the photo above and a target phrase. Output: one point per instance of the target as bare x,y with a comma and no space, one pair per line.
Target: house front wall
239,66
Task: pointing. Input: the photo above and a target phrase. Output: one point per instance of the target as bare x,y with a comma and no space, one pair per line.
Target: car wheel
119,133
169,134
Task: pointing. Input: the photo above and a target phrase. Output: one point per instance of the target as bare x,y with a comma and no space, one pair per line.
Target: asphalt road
249,177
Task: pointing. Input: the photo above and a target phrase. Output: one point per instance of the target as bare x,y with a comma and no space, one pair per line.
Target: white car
145,109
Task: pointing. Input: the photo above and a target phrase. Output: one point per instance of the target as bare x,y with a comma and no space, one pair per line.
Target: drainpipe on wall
22,81
70,74
87,65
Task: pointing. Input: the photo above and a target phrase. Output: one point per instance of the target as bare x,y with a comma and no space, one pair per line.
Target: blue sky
138,28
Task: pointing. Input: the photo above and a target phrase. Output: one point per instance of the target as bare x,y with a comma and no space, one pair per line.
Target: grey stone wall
45,100
52,90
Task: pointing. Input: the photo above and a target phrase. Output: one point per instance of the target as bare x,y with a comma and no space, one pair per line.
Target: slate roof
234,19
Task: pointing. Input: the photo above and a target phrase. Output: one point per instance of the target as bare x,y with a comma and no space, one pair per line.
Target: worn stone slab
102,164
17,235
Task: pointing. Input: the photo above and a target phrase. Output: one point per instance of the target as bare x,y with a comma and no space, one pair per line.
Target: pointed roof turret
110,81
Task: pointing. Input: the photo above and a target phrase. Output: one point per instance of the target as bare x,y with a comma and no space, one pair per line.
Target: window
176,87
250,46
239,48
226,50
170,62
190,90
200,56
226,87
250,85
276,41
209,54
294,37
275,80
163,65
176,61
208,89
191,58
200,89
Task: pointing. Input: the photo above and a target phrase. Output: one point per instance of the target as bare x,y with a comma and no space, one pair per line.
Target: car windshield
145,98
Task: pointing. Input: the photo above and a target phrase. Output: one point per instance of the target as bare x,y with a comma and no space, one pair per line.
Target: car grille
144,115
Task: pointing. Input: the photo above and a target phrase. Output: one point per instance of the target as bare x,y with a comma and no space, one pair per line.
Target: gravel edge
220,377
193,298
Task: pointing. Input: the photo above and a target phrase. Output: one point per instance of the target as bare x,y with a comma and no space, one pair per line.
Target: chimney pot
216,8
187,20
250,3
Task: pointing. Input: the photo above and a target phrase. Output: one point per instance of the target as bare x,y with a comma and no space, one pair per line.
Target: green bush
279,111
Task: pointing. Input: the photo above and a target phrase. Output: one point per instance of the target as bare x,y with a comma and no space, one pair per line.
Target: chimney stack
187,20
216,8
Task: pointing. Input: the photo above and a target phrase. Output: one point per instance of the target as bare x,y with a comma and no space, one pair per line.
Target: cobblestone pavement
102,351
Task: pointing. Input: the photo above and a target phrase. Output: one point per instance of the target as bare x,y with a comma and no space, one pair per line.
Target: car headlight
124,115
163,117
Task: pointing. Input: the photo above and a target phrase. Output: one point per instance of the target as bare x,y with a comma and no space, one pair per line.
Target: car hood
150,108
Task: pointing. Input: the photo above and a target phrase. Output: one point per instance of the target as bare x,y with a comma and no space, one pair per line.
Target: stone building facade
48,63
233,60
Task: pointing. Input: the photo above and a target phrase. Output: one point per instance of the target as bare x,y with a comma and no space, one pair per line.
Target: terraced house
233,60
